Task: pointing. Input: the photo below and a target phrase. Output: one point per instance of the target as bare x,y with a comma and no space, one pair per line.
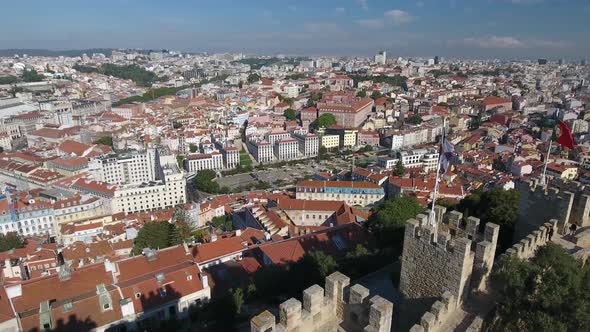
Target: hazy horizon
485,29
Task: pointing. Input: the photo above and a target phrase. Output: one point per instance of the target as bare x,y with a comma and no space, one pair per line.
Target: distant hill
42,52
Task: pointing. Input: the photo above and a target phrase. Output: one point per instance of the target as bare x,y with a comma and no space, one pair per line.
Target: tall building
381,58
436,60
129,167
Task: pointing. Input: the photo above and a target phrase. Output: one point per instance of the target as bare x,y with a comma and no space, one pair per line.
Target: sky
448,28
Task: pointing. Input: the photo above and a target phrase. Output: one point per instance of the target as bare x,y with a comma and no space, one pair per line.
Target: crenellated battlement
567,202
335,308
527,247
436,316
448,258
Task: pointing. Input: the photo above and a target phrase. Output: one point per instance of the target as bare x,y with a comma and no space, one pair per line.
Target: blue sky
452,28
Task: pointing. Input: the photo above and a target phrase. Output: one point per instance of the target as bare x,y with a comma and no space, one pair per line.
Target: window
137,295
162,291
106,306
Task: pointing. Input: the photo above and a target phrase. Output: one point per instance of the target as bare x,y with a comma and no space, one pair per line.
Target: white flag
448,156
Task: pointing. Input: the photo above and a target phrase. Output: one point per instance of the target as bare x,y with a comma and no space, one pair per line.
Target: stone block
472,225
428,322
380,314
358,294
313,299
263,322
439,212
417,328
449,300
454,219
422,219
443,239
290,313
439,310
491,232
412,226
428,234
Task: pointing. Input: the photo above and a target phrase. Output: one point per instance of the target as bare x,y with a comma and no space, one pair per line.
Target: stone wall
567,202
527,247
337,308
433,319
445,259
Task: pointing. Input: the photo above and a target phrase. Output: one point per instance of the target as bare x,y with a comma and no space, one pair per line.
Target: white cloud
494,42
509,42
340,10
398,17
364,4
395,17
372,23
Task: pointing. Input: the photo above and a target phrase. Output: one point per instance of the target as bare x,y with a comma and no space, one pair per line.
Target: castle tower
458,260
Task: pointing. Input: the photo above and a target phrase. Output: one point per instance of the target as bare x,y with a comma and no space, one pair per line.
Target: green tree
290,114
400,169
200,234
180,160
389,219
203,181
14,90
7,80
31,75
366,148
252,78
237,300
325,120
183,225
362,93
497,206
376,94
155,235
105,140
135,73
415,119
193,148
222,222
313,268
11,241
548,293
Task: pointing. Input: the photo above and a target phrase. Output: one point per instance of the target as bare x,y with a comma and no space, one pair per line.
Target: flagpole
543,176
432,216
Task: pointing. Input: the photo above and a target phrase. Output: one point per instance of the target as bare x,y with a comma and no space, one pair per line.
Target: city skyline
458,28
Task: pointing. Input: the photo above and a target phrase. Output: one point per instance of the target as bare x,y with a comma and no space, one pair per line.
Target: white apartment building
292,91
261,150
276,136
426,158
231,157
27,217
287,149
309,144
349,138
125,168
153,195
196,162
387,162
330,141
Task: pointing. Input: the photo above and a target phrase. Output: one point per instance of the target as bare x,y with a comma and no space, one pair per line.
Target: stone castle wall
433,319
539,203
527,247
337,308
446,260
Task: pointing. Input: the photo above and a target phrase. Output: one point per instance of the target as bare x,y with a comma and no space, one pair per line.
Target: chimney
238,232
213,237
